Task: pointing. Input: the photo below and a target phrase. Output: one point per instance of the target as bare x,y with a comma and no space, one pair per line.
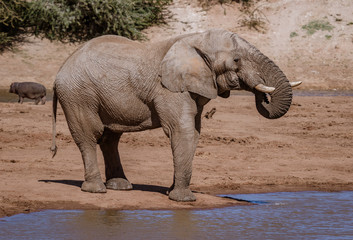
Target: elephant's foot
182,195
118,184
93,187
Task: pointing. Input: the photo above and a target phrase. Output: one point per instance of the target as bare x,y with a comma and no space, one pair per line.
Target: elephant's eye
236,60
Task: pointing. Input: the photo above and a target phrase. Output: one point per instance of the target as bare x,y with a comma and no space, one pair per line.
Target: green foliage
79,20
293,34
316,25
12,24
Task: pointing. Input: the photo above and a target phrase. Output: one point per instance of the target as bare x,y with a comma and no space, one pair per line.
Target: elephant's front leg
177,116
183,147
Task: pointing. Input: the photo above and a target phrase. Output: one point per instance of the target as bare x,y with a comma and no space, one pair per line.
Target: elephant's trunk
276,103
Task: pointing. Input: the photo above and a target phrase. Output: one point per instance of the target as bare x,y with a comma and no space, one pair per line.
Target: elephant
111,85
31,90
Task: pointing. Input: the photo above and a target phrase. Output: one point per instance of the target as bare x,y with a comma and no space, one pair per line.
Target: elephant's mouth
244,86
233,81
267,98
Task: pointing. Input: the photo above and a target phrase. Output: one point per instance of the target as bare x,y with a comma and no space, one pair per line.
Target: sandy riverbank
310,148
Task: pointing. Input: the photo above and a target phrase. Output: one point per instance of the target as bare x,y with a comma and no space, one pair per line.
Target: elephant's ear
187,68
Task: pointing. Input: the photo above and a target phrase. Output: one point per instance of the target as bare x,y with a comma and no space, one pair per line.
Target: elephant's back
111,46
111,38
101,68
101,54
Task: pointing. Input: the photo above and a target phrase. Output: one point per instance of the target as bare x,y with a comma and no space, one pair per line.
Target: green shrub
316,25
253,18
293,34
77,20
12,24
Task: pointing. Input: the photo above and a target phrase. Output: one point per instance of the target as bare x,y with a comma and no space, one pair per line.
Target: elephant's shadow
139,187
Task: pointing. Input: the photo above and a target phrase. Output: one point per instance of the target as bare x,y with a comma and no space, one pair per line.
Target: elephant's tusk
295,84
262,88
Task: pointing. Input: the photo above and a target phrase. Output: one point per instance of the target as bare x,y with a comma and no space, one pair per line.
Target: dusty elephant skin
29,90
112,85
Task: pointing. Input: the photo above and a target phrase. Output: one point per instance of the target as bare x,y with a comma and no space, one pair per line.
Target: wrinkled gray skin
112,85
29,90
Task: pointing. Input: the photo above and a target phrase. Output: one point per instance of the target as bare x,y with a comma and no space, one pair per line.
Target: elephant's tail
54,148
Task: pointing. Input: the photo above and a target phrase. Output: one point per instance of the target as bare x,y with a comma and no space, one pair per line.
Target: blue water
297,215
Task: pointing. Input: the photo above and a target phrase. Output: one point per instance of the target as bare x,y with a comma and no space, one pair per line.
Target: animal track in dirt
145,140
209,139
271,144
309,126
63,137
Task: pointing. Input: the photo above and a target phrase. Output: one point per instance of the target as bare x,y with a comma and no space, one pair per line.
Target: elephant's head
217,61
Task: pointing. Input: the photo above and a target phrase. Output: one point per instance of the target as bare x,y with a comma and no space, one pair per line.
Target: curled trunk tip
276,104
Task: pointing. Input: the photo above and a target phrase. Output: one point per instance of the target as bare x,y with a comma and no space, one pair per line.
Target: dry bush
253,18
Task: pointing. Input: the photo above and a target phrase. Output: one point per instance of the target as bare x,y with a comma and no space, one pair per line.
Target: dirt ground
310,148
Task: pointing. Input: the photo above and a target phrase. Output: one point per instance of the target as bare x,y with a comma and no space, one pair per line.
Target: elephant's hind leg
114,172
86,128
93,182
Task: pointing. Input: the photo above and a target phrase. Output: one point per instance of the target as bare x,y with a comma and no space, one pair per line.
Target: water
298,215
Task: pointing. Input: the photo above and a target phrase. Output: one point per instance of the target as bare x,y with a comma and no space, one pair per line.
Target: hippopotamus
29,90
